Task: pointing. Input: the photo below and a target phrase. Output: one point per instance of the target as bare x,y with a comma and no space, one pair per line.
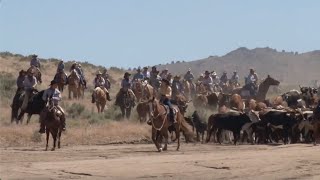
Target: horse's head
271,81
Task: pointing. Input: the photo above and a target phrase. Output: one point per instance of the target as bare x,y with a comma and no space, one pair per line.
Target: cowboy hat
53,82
206,72
214,74
166,69
34,55
177,77
166,81
189,69
127,74
145,67
99,73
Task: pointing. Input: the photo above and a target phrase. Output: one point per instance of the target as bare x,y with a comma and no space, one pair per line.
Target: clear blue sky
128,33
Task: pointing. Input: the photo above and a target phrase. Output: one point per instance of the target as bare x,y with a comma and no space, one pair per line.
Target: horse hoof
160,150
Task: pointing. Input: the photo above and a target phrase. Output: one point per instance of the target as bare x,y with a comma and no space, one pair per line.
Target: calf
274,121
200,125
231,121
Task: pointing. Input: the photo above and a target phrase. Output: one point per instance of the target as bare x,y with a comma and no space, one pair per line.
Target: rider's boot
108,97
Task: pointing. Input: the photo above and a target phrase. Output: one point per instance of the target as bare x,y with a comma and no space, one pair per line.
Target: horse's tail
186,129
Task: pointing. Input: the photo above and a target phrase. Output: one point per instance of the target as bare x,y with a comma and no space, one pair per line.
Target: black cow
199,124
276,124
232,121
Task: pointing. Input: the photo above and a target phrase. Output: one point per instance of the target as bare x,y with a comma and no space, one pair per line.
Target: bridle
152,110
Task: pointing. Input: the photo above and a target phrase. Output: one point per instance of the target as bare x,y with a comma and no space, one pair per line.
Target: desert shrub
7,85
75,110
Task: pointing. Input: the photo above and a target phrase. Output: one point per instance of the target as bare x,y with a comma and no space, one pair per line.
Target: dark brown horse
53,124
160,124
262,90
61,79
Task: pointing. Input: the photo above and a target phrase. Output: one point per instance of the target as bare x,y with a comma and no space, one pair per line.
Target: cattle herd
293,117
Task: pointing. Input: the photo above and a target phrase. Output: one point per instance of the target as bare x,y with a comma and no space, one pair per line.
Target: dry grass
85,134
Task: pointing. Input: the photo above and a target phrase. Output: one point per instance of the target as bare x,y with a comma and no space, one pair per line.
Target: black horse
35,106
126,103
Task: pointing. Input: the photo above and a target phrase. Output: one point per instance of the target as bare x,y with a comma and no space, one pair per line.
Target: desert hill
290,68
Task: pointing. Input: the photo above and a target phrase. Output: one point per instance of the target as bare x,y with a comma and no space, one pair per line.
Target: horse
143,111
35,106
262,90
61,79
73,84
53,124
160,124
37,73
186,88
126,103
100,99
138,89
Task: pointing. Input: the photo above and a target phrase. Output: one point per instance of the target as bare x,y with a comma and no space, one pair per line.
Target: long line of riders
162,100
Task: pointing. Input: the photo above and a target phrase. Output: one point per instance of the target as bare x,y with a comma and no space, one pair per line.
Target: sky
129,33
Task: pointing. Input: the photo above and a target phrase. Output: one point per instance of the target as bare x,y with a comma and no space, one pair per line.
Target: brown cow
256,106
237,103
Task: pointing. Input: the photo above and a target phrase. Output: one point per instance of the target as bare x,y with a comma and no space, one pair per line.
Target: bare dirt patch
141,161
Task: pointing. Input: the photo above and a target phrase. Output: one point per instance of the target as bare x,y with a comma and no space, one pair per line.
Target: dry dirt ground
141,161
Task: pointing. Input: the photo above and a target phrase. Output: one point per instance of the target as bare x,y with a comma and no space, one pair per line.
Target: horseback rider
251,82
35,61
155,78
20,79
125,88
235,78
190,77
146,73
177,87
54,93
60,69
200,79
81,74
207,81
105,76
169,78
224,78
166,92
29,85
100,82
164,74
138,75
215,80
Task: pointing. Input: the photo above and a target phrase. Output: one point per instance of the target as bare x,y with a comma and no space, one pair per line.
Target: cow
237,103
232,121
200,125
276,124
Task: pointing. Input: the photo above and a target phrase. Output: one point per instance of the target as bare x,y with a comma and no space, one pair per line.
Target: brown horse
186,88
100,99
262,90
160,124
143,111
53,124
60,78
37,73
73,84
138,89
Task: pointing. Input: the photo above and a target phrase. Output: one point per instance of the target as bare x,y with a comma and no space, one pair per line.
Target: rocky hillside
290,68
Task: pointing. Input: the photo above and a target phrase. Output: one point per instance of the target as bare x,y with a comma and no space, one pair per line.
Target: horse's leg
123,111
166,136
29,117
154,139
59,137
128,112
54,134
177,126
47,138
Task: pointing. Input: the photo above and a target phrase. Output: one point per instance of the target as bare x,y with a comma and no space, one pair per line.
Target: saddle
175,111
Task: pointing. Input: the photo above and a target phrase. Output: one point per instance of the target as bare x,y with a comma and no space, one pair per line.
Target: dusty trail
298,161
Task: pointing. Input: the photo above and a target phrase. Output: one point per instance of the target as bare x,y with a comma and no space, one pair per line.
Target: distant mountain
289,67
